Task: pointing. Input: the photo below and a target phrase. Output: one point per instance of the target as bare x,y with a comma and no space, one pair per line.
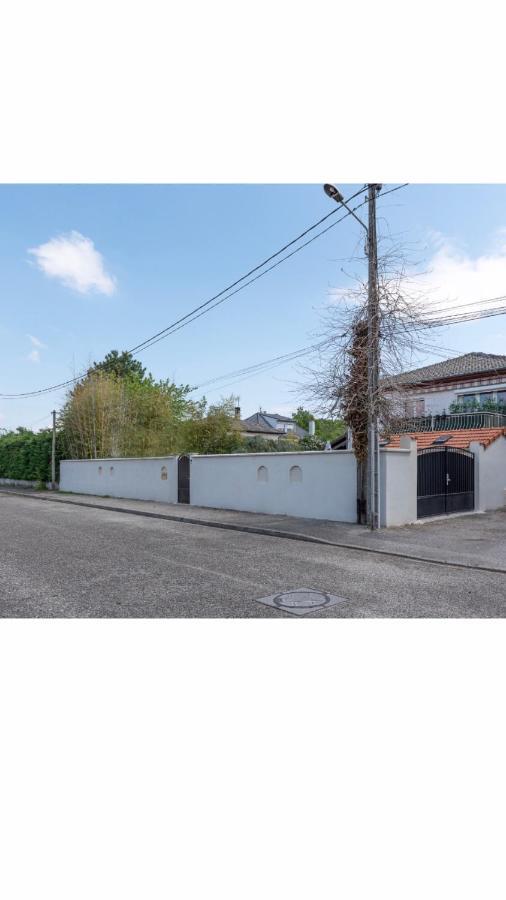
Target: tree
325,429
302,417
212,430
107,415
354,396
335,381
123,365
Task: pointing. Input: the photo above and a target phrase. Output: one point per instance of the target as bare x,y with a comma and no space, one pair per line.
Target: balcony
448,422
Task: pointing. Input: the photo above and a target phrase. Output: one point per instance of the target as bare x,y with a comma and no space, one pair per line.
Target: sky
89,268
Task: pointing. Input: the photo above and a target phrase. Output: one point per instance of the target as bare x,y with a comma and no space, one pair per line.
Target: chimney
237,412
312,426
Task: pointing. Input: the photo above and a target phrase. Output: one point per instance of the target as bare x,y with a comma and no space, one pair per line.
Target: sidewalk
477,541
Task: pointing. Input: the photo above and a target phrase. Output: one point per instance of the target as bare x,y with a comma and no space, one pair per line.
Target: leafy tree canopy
123,365
212,429
325,429
302,417
109,415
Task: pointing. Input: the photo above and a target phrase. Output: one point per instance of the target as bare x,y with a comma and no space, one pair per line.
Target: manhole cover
301,601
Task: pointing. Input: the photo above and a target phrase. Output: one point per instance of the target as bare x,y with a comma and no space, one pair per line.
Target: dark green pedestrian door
183,479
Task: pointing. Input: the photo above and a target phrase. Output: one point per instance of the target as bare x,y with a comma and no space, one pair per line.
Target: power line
265,365
171,329
391,190
433,306
216,300
251,271
470,316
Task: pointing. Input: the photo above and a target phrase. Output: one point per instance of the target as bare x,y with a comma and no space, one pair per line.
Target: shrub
26,456
463,406
311,442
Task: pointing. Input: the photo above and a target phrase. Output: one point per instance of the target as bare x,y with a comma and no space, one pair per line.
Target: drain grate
301,601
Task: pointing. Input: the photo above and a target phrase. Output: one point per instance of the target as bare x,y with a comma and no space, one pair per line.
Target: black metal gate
445,481
183,479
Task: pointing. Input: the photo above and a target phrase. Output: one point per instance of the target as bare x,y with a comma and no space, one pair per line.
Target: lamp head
333,193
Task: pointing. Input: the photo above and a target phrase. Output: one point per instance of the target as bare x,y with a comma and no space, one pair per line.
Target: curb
268,532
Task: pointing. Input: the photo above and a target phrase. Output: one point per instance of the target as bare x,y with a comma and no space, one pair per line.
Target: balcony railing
449,422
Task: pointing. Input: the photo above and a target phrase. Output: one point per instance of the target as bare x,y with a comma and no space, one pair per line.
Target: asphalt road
62,560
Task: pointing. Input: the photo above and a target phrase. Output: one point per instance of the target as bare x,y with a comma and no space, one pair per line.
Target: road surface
62,560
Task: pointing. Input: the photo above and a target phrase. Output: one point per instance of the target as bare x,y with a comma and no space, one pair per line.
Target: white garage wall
135,479
319,485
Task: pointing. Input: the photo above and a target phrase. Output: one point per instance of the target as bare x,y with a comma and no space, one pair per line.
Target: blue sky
85,269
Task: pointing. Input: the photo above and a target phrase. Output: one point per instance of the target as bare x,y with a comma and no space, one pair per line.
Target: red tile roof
461,438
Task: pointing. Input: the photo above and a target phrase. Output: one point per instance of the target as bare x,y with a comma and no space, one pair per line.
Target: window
476,399
100,470
414,408
163,474
262,473
111,470
295,474
470,399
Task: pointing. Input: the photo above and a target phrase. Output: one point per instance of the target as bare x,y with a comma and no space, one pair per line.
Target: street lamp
334,194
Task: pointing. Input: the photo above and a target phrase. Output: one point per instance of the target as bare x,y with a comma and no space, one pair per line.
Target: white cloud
34,355
453,277
36,342
73,260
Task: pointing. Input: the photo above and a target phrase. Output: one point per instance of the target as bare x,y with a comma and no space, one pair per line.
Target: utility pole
53,453
373,338
373,461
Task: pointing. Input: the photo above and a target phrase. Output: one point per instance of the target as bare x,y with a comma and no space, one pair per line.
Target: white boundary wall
135,479
490,475
314,484
398,484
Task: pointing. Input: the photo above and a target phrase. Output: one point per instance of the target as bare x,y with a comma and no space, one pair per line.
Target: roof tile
462,438
468,364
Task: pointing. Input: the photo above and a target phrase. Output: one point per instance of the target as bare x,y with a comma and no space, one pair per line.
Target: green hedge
27,456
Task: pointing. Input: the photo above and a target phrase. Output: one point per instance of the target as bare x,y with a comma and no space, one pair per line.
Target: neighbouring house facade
468,380
455,411
280,424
